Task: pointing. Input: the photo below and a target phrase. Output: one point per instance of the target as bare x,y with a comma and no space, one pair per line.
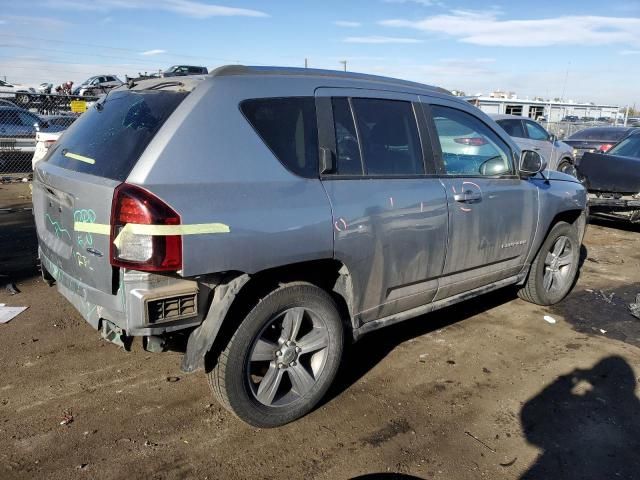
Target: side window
388,135
288,127
10,117
347,148
468,146
27,120
536,132
513,128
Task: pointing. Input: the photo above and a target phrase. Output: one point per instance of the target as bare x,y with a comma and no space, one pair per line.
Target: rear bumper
129,308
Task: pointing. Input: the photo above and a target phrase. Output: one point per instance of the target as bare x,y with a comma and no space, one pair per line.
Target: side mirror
553,138
531,163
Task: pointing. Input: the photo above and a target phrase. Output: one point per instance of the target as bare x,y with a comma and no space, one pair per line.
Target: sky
586,50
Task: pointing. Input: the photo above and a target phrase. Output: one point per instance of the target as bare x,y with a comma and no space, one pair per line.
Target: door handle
468,196
537,148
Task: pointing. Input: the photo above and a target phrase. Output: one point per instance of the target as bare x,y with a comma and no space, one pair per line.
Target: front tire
554,268
566,166
282,357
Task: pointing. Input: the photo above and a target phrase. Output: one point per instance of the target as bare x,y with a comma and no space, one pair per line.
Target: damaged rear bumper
144,304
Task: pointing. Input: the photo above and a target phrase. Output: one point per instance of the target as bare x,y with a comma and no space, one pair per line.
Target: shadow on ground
587,424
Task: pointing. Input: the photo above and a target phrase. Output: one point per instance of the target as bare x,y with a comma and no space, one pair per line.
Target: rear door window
389,137
347,148
513,127
288,127
108,139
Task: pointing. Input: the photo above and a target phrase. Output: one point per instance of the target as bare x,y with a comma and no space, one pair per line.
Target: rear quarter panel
208,163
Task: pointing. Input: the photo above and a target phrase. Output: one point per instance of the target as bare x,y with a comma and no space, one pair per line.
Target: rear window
107,141
288,127
605,134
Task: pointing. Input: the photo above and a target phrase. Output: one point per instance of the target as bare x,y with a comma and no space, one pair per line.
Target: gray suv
272,215
530,135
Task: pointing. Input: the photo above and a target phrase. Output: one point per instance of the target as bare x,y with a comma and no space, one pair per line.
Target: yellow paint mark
80,158
86,227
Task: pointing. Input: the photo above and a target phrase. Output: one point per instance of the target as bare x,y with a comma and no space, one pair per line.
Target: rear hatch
75,182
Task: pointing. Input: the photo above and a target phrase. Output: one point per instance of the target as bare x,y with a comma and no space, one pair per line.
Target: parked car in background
571,118
97,85
20,93
613,179
58,120
44,141
45,138
594,139
18,128
146,208
182,70
45,88
529,135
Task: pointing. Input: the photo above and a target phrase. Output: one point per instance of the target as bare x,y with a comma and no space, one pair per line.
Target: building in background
551,110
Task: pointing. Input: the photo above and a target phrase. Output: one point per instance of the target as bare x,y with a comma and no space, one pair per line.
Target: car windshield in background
629,147
108,139
604,134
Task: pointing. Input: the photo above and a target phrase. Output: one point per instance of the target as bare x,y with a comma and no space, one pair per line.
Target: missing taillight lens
136,206
48,144
471,141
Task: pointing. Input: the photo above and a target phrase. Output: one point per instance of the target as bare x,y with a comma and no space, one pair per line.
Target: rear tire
282,357
554,268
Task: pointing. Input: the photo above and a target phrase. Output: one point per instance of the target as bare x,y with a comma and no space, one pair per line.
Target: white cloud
424,3
155,51
347,23
189,8
485,28
375,39
34,22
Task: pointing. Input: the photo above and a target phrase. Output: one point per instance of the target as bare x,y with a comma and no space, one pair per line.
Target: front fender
561,196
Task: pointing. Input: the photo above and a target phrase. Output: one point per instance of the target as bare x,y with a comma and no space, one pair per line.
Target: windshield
629,147
108,139
604,134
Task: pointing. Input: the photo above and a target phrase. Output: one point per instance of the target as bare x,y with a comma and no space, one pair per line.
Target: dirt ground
485,389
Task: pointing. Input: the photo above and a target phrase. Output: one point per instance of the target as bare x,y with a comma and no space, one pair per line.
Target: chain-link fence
564,130
29,124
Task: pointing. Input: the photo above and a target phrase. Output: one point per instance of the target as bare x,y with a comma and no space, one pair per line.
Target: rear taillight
471,141
48,144
605,147
143,250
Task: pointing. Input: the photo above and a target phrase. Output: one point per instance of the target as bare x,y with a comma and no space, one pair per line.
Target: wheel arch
576,217
239,292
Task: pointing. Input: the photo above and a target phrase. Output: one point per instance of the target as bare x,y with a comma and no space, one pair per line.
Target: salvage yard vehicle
273,214
613,179
183,70
97,85
21,94
596,139
18,129
529,135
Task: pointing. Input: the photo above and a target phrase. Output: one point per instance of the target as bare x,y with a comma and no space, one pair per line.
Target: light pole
344,63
